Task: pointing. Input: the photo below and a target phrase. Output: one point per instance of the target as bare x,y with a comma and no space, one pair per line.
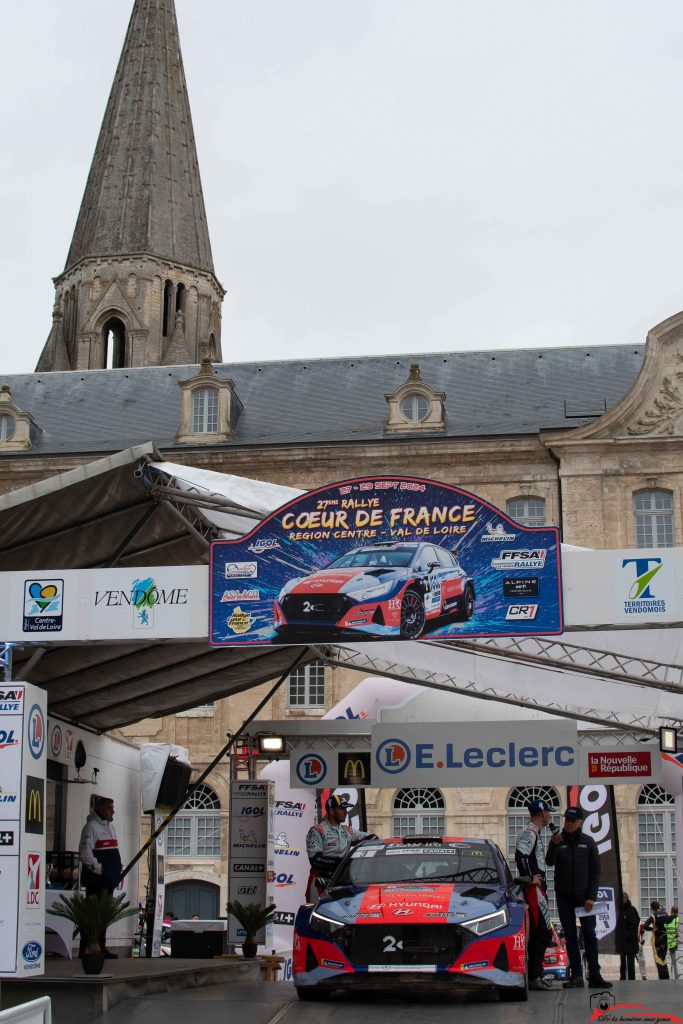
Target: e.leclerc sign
385,558
474,754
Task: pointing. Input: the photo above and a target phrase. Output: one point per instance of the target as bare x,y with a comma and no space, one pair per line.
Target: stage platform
78,998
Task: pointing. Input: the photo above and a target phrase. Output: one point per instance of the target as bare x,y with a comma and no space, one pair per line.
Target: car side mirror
432,566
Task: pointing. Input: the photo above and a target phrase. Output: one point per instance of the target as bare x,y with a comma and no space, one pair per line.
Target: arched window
527,511
656,847
196,830
653,512
114,336
7,427
205,411
169,308
517,818
180,299
307,686
419,812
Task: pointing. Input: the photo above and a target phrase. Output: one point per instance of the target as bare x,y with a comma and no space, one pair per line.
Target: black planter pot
92,963
249,949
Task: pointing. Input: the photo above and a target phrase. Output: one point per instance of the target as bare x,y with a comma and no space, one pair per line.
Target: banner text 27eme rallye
385,558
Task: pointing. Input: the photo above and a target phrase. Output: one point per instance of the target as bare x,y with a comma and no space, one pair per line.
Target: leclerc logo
36,732
392,756
311,769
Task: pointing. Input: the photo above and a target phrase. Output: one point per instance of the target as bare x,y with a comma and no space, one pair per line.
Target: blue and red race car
383,590
411,912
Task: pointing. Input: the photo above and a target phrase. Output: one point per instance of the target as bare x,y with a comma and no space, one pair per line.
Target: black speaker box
174,784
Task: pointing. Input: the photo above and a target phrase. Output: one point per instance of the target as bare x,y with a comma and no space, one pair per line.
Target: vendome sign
385,558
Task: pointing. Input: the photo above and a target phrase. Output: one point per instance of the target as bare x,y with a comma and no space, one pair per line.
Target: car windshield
396,863
375,557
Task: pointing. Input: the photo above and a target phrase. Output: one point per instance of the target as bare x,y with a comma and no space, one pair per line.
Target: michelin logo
497,533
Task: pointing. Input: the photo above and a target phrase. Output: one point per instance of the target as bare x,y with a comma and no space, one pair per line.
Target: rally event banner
385,558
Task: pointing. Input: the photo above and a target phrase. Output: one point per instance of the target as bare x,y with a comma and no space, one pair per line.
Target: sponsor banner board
251,857
474,753
23,759
632,587
632,763
320,766
72,605
385,558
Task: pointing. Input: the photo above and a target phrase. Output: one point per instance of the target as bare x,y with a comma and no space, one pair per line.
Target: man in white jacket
100,859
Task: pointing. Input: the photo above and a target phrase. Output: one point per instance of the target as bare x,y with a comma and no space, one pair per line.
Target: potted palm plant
253,917
91,916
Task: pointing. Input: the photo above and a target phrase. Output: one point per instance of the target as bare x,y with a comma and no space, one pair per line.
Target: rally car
556,961
382,590
416,911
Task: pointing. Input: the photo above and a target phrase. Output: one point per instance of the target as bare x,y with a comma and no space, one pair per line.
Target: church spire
144,192
140,253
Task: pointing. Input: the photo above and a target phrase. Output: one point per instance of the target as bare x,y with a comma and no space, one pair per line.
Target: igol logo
392,756
36,731
311,769
32,951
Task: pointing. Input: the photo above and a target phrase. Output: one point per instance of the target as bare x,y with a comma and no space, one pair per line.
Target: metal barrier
38,1011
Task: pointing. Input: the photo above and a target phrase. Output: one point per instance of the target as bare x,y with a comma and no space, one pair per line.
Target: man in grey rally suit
326,844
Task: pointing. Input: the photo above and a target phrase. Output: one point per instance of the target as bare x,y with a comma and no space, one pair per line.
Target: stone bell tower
139,288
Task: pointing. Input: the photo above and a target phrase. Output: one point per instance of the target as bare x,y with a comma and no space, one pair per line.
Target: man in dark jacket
100,859
576,860
628,939
656,923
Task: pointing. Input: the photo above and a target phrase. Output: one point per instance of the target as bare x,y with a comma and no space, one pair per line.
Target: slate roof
144,192
319,401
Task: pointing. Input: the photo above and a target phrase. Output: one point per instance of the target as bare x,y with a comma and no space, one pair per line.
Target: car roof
435,841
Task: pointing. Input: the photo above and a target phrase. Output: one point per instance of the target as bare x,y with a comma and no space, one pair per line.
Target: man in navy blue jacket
576,860
101,865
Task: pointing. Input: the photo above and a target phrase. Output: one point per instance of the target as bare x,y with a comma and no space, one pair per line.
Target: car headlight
289,585
490,923
325,925
369,593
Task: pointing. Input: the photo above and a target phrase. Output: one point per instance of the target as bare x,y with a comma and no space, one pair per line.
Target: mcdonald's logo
35,802
354,768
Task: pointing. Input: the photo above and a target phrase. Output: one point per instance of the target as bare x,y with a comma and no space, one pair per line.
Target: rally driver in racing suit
530,862
326,844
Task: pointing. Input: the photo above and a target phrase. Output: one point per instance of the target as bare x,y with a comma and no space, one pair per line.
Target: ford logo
32,951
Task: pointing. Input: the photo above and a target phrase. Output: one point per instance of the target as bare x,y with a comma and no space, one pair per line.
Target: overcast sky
380,175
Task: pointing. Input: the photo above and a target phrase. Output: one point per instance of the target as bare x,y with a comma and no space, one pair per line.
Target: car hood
410,904
340,581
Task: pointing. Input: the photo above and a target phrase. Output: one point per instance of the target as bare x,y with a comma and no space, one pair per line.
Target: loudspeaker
174,784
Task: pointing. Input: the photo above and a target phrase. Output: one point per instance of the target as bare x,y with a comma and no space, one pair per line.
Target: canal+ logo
36,731
393,756
311,769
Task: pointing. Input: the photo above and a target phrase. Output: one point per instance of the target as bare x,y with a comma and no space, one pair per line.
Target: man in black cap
576,860
530,863
327,842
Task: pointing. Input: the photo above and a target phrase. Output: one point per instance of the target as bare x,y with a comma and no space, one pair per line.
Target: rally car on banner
415,911
383,590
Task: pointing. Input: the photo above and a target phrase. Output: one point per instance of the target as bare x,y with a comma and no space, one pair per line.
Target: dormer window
205,411
17,429
415,407
7,427
210,408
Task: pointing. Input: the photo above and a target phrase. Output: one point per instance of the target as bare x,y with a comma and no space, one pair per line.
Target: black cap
335,801
574,814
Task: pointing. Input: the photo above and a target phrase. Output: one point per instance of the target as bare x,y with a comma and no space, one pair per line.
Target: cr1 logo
392,756
311,769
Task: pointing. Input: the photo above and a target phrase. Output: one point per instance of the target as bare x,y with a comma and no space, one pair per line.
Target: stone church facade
589,439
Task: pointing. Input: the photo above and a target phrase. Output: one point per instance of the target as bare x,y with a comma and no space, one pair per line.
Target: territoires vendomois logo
641,597
393,756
